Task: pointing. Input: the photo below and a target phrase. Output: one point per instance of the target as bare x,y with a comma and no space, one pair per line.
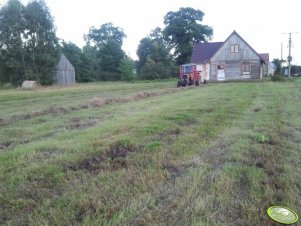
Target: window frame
246,68
234,48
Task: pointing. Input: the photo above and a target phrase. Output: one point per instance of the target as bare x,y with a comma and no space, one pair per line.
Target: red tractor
189,75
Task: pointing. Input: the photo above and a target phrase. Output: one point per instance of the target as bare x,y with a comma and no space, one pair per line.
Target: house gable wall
232,62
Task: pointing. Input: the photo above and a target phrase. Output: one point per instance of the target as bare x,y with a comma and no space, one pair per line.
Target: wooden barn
232,59
65,74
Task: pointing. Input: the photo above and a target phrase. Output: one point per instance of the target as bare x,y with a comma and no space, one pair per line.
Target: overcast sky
260,22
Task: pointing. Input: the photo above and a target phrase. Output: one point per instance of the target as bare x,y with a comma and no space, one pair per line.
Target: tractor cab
188,75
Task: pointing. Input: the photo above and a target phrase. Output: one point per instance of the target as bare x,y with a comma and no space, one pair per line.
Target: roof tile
202,52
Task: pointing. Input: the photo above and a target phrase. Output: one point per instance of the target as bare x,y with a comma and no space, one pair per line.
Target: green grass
150,154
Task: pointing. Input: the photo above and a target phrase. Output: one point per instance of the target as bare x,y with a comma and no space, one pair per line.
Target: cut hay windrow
95,102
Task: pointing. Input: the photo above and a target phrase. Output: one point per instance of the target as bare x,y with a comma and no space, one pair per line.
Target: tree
183,29
144,52
108,42
12,67
106,33
28,44
154,54
41,42
89,59
278,65
126,69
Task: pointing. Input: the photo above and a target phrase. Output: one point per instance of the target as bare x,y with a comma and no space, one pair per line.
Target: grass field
150,154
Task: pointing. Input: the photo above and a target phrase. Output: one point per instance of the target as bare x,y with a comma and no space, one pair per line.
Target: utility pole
289,58
281,59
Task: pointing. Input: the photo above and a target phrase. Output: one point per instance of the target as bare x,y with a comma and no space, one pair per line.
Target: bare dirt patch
163,135
49,153
118,154
268,142
56,110
39,137
215,157
84,208
78,124
206,110
177,170
5,145
92,164
187,122
112,159
257,109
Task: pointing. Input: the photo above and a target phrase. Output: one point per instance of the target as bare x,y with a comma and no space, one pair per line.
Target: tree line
30,49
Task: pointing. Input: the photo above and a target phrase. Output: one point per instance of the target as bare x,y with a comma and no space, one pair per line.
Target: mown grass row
212,155
14,102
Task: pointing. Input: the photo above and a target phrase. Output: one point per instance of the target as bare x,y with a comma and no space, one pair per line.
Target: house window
245,68
234,48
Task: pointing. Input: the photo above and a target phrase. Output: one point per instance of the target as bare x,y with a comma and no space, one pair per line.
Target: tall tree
278,65
154,55
108,41
106,33
182,29
144,51
12,25
41,42
91,62
28,44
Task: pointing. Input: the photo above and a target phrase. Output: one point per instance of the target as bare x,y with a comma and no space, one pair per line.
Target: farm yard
145,153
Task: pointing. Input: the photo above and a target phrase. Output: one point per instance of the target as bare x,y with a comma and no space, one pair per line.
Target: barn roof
64,64
202,52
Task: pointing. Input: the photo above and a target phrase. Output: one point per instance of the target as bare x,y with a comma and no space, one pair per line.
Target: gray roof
64,64
264,56
202,52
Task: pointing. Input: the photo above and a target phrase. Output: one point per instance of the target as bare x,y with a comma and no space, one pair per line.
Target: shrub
277,78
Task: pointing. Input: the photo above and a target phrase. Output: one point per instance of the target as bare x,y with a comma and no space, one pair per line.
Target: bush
152,70
277,78
5,86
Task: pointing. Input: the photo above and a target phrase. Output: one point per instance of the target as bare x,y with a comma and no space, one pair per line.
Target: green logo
282,214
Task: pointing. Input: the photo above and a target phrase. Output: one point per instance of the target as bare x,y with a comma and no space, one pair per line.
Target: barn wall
65,72
65,77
